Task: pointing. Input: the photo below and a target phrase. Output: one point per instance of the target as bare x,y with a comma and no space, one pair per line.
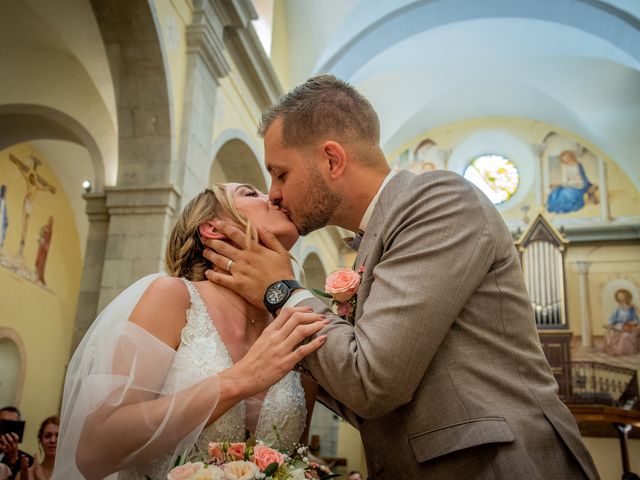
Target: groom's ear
336,155
208,230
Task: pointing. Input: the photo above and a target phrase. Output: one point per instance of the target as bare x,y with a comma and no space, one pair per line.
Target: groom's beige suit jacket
442,371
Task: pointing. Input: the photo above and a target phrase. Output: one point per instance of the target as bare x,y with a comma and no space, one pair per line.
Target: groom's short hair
320,108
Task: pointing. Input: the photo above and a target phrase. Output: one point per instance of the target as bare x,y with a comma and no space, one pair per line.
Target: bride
175,362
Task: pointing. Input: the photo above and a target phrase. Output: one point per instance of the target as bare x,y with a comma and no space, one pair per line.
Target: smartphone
12,426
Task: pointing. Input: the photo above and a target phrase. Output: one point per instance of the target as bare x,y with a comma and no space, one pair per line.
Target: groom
442,370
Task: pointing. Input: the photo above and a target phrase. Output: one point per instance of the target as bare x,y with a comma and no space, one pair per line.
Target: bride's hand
277,351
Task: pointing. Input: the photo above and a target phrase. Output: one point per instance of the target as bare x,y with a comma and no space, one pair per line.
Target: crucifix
34,183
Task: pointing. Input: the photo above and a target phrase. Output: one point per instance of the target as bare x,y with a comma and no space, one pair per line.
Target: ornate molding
226,24
96,208
247,51
256,68
235,13
205,37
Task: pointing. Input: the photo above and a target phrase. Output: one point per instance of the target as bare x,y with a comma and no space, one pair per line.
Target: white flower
300,450
297,474
240,471
185,472
210,473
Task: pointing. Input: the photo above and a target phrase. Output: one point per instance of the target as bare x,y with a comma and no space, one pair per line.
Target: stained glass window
495,175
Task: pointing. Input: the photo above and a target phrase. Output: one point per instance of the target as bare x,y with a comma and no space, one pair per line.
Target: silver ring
229,263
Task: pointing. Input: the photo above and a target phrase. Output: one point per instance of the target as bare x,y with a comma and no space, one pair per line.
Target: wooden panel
557,349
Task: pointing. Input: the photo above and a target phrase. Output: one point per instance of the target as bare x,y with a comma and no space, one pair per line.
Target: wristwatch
278,293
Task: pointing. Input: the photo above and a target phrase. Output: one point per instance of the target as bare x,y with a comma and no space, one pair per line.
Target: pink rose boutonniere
342,288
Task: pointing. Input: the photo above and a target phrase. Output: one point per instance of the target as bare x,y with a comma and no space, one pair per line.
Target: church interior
114,114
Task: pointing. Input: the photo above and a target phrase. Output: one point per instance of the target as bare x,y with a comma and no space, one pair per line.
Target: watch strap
293,285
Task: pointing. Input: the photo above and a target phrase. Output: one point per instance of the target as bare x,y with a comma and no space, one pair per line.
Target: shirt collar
369,211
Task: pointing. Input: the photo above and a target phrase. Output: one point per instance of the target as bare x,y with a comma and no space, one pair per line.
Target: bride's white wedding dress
156,400
202,353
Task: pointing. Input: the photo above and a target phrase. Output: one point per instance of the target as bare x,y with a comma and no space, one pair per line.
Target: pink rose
236,451
215,450
184,472
344,309
265,456
342,284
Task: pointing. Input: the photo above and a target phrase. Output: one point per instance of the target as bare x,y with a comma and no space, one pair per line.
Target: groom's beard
319,205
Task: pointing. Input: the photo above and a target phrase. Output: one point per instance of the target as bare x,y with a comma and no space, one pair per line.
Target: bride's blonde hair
184,250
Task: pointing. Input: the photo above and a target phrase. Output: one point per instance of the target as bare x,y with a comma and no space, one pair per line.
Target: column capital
582,266
149,199
96,207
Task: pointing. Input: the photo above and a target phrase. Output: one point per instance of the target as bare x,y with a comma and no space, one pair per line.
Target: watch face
277,293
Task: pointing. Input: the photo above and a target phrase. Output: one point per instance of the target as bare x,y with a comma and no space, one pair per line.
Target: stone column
206,64
96,210
585,312
140,221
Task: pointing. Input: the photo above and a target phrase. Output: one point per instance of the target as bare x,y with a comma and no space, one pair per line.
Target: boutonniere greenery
342,287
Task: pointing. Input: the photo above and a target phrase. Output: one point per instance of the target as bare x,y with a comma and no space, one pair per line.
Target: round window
495,175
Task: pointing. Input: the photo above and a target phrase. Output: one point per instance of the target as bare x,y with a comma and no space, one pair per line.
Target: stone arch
235,160
315,272
13,359
23,122
131,35
389,25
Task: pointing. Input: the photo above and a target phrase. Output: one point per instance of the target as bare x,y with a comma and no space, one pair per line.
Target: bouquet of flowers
251,461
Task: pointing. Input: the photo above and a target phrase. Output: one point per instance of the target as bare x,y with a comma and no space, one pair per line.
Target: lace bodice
202,353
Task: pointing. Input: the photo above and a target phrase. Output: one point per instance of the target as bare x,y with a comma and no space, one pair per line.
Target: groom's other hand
246,265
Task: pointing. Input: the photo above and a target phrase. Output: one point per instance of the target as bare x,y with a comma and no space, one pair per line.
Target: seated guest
9,452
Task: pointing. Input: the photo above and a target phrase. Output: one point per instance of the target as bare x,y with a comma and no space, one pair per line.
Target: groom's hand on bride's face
254,264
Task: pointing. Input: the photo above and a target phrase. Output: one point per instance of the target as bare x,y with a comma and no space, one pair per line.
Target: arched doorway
314,271
12,363
235,161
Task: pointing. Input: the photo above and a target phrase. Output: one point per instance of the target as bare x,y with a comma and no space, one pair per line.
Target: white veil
117,411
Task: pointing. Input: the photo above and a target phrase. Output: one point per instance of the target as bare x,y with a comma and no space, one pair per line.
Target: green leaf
177,462
271,469
321,293
278,439
298,463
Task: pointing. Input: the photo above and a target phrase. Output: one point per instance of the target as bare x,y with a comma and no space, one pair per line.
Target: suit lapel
395,186
381,211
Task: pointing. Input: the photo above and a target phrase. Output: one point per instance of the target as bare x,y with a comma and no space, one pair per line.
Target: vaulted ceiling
427,63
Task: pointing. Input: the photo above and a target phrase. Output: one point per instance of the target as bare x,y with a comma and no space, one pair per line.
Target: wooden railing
599,384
